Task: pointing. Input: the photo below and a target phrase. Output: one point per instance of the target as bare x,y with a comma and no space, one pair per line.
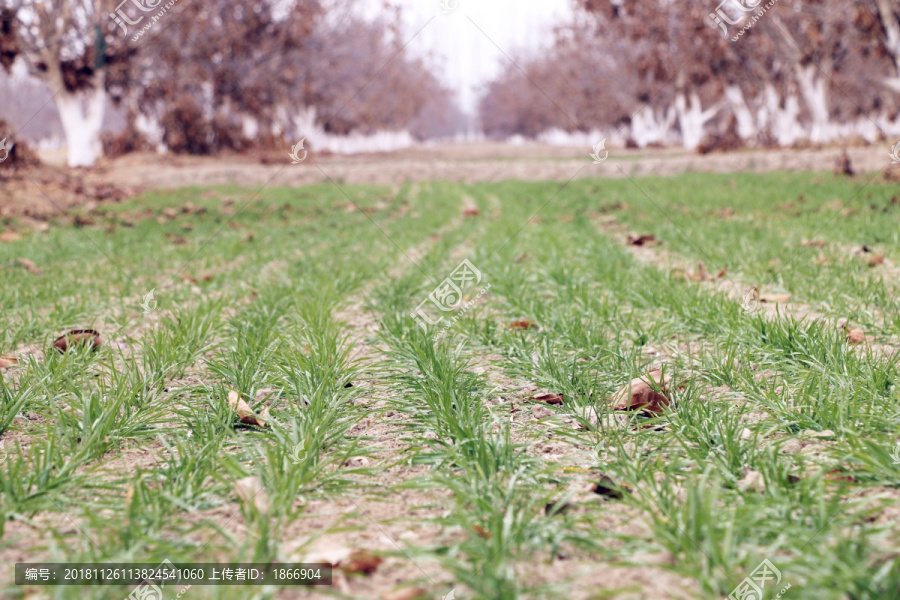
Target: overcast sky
468,57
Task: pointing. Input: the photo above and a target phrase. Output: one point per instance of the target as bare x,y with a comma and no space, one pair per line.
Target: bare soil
47,190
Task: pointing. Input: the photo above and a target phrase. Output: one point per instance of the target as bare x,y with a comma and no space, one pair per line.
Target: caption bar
168,573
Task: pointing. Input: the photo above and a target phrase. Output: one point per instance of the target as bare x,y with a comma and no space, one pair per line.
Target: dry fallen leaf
244,412
557,508
523,324
646,239
838,475
250,489
874,261
549,398
607,488
722,273
701,274
814,244
9,236
361,561
78,337
640,395
856,335
28,265
8,361
471,212
482,532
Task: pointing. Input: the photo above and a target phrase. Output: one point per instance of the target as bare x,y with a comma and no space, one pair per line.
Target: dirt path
46,191
471,163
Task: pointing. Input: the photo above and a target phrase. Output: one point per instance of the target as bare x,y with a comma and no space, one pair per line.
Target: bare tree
66,45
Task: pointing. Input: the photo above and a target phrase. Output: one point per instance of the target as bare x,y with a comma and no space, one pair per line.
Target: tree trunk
815,95
745,122
81,114
647,127
692,118
783,122
892,36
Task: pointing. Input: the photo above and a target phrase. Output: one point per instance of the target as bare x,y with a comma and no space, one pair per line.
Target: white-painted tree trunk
650,127
692,118
815,94
745,123
149,127
249,127
783,122
304,123
81,114
892,38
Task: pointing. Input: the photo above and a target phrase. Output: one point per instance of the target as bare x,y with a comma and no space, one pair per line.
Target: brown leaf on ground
838,475
523,324
413,593
521,257
723,273
701,274
78,337
244,412
646,239
548,398
607,488
856,335
361,561
482,532
640,395
28,266
8,361
726,212
471,212
558,508
775,298
874,261
250,490
843,166
9,236
814,244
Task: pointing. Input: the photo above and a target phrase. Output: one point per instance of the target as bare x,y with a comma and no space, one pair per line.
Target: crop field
445,390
